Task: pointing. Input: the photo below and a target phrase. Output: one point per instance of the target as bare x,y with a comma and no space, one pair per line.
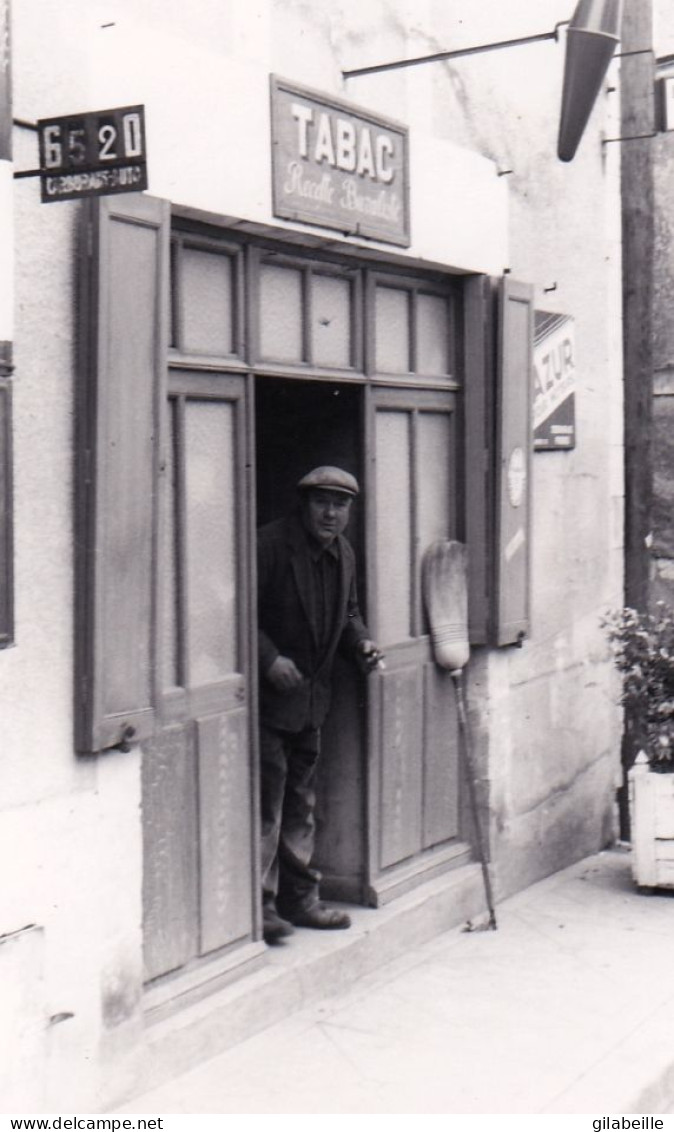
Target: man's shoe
321,917
274,927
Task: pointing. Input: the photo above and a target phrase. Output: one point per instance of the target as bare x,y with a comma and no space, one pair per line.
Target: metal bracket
439,56
629,137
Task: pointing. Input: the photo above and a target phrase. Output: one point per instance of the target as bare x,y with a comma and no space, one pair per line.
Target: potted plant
643,650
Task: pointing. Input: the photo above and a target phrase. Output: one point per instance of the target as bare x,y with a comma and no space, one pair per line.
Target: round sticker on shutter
517,476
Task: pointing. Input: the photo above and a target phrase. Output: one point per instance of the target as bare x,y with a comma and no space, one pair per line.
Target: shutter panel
514,446
6,525
478,366
124,305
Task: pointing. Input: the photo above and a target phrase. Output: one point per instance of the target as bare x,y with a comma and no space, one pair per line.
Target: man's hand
284,674
369,655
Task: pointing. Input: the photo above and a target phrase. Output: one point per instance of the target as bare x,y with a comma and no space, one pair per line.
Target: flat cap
333,479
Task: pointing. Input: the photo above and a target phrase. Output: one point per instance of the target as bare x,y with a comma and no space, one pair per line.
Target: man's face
325,514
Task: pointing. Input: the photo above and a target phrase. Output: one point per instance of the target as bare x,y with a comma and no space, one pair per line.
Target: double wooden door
200,790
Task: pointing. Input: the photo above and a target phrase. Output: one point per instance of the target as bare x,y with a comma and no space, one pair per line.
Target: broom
446,599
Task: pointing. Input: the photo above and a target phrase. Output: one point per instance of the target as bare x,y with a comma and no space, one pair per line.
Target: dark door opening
300,424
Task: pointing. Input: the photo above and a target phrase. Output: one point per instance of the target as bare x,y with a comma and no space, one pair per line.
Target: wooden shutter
478,367
124,336
6,367
514,446
6,526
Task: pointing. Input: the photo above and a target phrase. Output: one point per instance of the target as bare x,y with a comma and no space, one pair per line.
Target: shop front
216,370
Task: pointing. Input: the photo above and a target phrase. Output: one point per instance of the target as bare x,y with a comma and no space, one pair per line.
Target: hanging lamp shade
591,39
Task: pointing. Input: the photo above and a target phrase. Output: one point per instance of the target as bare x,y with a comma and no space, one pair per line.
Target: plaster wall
551,733
663,28
553,792
123,53
70,835
545,716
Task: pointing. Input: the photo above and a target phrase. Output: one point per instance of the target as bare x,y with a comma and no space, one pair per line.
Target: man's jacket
287,624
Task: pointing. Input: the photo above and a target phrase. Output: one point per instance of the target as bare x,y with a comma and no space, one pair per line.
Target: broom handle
470,775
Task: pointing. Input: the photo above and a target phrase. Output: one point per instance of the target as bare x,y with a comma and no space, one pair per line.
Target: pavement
567,1008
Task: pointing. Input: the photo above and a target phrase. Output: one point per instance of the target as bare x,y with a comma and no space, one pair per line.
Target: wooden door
198,785
413,789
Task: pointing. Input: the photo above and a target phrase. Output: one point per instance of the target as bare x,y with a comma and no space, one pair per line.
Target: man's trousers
288,800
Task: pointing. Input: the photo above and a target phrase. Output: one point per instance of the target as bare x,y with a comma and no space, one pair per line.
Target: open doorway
300,424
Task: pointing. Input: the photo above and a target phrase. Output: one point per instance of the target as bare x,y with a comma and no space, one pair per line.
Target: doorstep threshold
311,965
176,991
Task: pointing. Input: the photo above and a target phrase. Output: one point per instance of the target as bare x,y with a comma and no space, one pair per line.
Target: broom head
445,589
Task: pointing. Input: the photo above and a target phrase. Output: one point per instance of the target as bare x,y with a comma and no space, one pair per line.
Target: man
307,608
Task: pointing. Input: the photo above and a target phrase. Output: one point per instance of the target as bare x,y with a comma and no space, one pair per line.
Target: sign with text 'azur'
554,412
338,166
93,154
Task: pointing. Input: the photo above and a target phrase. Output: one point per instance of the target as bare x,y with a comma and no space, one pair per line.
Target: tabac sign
554,381
338,166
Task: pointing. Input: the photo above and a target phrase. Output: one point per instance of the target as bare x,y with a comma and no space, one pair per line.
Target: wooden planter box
652,820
